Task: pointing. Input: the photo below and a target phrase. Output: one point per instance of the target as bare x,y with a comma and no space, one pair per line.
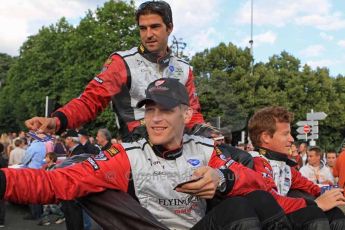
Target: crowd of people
172,171
20,150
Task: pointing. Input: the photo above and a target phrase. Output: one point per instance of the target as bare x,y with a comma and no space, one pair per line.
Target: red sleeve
96,95
245,179
197,117
289,204
92,175
303,184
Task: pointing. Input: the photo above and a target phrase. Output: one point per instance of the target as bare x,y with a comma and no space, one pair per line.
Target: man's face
165,126
280,141
69,142
302,148
100,139
331,159
313,159
154,33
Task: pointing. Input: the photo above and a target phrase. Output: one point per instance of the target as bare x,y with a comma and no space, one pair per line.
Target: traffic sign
315,129
300,130
310,137
310,123
306,129
316,116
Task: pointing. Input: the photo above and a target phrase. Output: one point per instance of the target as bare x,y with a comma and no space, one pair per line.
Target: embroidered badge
100,81
101,157
93,163
112,151
194,162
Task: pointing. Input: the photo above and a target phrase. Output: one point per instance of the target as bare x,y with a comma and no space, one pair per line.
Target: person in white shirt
315,170
16,155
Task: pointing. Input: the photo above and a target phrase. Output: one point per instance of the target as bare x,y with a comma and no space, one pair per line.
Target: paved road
14,220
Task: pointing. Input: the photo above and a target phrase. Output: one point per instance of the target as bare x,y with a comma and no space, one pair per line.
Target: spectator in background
59,146
24,143
241,146
17,154
249,147
34,158
104,139
295,156
302,150
339,169
84,141
331,159
315,170
72,143
3,164
48,209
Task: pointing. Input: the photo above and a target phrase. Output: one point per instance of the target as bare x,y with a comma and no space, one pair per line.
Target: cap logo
159,82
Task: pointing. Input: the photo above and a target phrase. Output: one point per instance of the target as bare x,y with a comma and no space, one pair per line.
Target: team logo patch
171,68
112,151
100,81
218,151
101,157
93,163
194,162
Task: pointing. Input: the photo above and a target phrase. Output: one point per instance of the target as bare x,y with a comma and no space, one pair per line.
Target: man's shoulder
195,139
126,53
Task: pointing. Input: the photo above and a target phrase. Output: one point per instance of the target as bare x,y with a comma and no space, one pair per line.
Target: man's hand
204,188
331,199
42,124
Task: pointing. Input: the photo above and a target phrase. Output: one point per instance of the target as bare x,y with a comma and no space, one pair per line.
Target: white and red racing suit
146,172
276,170
123,81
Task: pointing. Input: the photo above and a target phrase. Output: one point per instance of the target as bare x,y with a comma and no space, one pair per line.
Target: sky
311,30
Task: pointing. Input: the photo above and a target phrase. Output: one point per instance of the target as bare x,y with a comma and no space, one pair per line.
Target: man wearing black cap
124,78
151,170
72,143
84,141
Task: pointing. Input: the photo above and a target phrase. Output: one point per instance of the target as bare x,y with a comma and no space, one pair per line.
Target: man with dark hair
151,170
315,170
124,78
269,131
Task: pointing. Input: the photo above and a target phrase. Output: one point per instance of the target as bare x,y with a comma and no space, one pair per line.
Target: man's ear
265,137
187,115
170,28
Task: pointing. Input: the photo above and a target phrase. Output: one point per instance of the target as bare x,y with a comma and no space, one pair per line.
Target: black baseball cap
166,92
71,133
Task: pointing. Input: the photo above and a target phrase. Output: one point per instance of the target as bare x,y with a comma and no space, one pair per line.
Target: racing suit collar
153,57
166,154
271,155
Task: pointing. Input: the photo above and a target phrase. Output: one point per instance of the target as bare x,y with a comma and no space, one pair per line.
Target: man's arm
92,175
197,117
89,104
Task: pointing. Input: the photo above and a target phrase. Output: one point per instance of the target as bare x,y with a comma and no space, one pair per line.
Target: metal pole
251,38
46,112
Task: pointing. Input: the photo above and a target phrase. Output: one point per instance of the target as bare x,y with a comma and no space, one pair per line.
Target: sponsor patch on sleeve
112,151
101,157
100,81
93,163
